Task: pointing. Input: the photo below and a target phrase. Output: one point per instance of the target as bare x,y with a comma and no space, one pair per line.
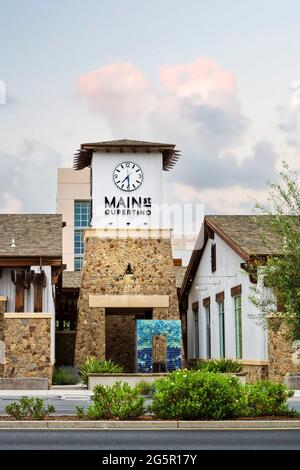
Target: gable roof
251,234
83,156
35,235
247,235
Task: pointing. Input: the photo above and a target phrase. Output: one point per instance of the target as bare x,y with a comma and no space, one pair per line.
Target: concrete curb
151,425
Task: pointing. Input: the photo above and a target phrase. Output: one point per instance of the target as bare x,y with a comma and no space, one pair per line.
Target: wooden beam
14,262
17,278
39,284
55,274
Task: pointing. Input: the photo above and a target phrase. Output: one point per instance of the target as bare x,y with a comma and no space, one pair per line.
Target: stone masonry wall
255,372
105,263
28,346
120,340
284,354
3,304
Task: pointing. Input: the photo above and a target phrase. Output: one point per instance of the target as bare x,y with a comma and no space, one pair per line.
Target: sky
218,78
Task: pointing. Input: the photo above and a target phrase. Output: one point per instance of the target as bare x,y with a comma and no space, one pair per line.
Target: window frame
82,221
238,326
221,311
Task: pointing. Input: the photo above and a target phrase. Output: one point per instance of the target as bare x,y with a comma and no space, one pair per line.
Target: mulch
151,418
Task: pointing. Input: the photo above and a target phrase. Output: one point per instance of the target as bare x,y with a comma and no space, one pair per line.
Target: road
149,440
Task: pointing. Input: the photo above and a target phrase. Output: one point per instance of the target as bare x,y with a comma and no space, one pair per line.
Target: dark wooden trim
213,259
39,284
70,290
210,233
19,261
18,277
177,261
56,272
192,269
235,247
195,306
220,296
236,290
206,302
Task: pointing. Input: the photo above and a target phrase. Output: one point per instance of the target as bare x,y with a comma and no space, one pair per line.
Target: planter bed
131,379
149,418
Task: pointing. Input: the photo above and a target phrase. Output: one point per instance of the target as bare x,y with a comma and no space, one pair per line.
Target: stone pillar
27,339
106,273
3,306
284,354
90,335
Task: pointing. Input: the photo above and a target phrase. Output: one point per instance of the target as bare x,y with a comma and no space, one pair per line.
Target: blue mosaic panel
146,329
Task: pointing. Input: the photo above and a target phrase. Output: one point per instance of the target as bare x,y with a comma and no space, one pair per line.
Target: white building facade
221,319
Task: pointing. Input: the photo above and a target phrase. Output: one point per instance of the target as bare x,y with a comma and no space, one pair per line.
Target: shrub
80,413
65,375
197,395
29,408
117,402
93,365
145,388
266,398
220,365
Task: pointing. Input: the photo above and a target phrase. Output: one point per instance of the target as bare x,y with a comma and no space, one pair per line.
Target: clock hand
127,177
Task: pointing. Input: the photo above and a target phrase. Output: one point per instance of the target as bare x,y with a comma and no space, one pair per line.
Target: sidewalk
71,392
56,391
153,425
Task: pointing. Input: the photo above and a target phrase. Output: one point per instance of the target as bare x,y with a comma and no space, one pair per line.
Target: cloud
288,119
196,105
252,172
232,200
28,179
11,204
119,91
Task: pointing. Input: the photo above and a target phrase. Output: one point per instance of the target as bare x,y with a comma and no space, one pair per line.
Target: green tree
279,270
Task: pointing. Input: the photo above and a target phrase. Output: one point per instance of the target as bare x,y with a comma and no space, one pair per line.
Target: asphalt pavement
150,440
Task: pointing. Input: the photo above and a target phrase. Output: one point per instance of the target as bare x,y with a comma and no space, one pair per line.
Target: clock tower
128,271
127,181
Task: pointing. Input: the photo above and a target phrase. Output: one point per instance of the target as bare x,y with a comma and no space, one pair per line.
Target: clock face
128,176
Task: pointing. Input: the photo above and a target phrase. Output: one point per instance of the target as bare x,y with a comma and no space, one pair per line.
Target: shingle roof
34,235
251,233
248,235
83,156
71,279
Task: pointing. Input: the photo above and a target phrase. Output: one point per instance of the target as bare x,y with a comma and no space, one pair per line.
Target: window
196,328
221,328
213,258
78,262
82,214
238,326
82,210
208,337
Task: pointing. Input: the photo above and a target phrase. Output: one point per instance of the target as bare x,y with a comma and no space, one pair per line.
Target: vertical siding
254,335
103,185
